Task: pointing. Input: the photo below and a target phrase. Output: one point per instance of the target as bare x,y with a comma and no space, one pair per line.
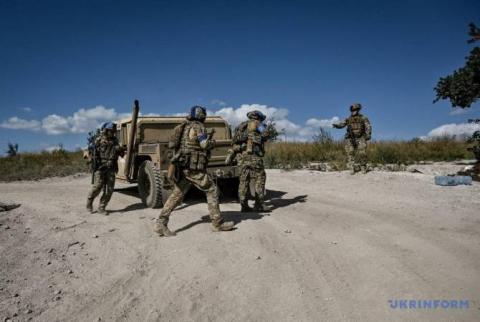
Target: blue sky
67,65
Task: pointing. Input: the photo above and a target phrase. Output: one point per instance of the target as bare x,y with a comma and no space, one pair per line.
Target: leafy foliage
462,87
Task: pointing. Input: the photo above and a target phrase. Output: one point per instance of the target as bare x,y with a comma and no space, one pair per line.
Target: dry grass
297,155
33,166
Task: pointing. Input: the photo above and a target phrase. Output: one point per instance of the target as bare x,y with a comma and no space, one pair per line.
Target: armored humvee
147,158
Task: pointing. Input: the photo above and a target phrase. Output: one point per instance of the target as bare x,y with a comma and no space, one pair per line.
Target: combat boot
245,207
90,205
162,230
224,226
102,211
364,169
260,207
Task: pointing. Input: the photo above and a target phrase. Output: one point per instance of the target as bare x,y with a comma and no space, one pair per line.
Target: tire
229,187
150,185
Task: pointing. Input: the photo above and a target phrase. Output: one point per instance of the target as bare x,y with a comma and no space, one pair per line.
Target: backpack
241,133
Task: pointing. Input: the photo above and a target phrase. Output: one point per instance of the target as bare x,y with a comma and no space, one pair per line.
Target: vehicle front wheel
150,185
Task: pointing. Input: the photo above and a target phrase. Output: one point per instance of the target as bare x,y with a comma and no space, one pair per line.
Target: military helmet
256,115
109,126
198,113
355,107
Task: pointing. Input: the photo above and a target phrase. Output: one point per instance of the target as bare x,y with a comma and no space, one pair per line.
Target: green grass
33,166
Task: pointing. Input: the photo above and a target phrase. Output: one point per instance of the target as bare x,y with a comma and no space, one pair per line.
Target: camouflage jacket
107,151
357,126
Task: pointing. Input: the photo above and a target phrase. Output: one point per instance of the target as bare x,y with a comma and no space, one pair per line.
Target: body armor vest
356,126
195,158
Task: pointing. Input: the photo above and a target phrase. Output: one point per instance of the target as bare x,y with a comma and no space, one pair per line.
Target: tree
462,87
12,149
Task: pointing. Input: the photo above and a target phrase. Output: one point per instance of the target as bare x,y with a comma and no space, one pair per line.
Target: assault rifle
92,151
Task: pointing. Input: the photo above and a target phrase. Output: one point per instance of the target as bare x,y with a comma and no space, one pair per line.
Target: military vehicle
148,156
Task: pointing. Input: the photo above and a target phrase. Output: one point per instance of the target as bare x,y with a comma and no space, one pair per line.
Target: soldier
251,162
105,151
192,144
359,132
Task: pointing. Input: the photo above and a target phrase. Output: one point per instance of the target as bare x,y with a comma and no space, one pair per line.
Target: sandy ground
335,247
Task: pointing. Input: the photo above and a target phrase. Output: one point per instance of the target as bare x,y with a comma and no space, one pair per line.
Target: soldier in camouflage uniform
251,162
107,151
359,132
193,146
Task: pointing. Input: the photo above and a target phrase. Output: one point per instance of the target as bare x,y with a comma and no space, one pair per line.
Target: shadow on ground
132,207
273,199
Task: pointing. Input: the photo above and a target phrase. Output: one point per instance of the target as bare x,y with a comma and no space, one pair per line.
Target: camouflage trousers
356,150
103,180
203,182
252,170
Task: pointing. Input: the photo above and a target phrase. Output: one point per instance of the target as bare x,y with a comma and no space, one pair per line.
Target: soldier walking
104,153
252,169
192,144
359,132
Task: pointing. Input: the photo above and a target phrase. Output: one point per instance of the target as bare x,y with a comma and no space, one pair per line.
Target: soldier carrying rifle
104,151
249,141
359,132
192,144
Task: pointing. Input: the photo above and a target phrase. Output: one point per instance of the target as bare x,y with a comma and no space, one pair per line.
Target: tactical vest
195,158
356,126
107,151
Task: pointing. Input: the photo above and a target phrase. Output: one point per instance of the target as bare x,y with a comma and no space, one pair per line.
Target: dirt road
335,247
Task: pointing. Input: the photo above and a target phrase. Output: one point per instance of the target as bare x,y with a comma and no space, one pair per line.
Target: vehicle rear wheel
150,185
229,187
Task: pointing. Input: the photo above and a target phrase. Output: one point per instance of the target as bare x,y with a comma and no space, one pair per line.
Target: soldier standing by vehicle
192,144
104,153
359,132
251,160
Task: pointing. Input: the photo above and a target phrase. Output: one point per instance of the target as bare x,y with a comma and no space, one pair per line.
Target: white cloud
55,124
291,130
16,123
26,109
82,121
53,148
460,131
236,115
85,120
323,122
